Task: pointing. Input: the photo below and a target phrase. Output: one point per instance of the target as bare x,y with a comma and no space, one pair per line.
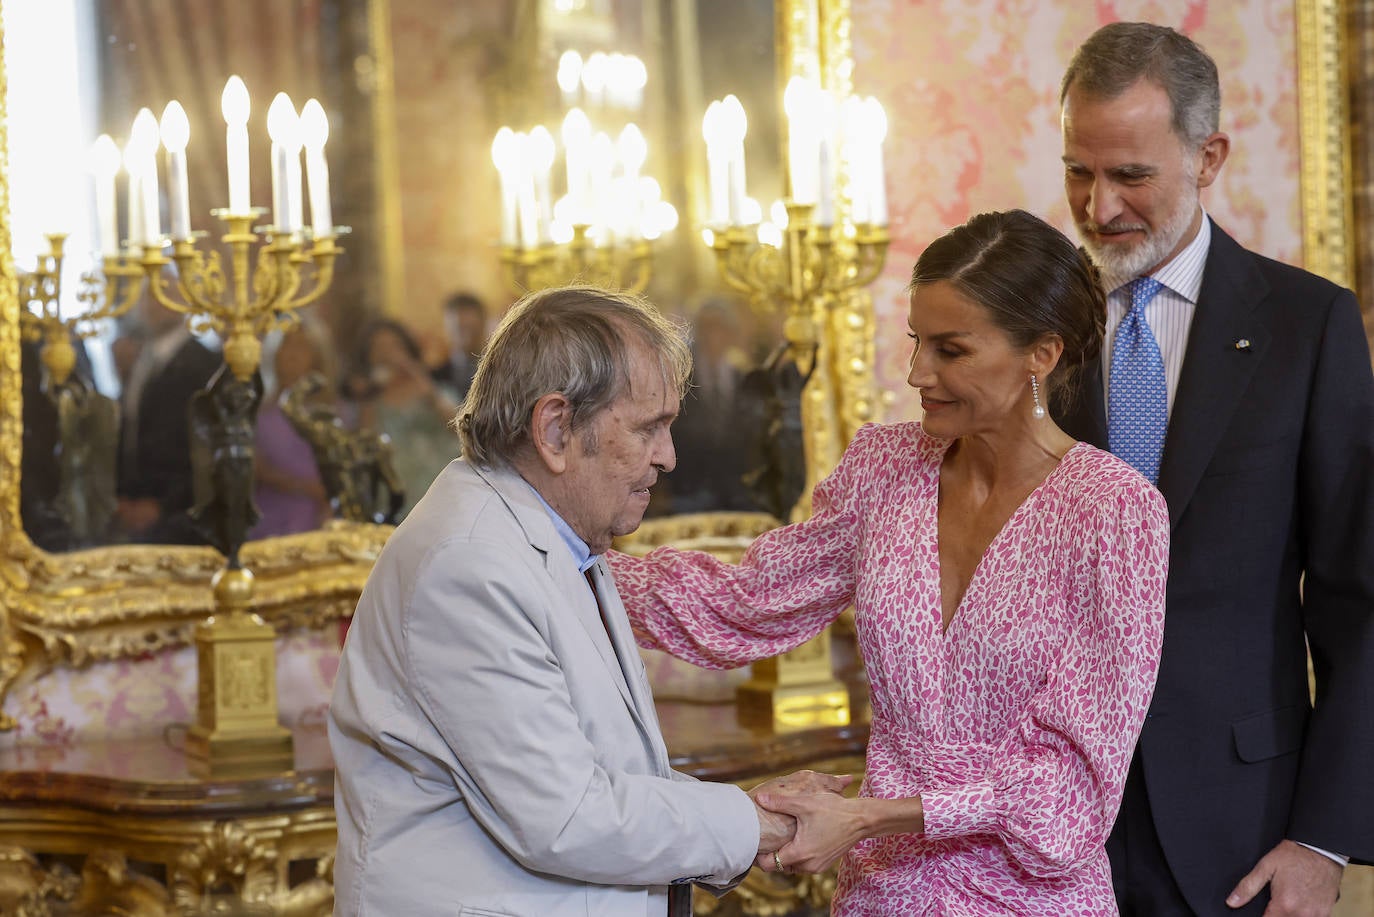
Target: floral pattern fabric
1015,725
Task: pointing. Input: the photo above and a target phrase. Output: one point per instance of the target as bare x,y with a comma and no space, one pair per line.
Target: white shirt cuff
1339,858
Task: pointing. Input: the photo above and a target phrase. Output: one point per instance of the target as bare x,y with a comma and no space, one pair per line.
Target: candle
827,176
526,204
717,170
602,158
133,212
637,76
857,133
539,150
803,140
315,131
145,140
505,152
877,126
577,133
594,73
284,129
569,76
736,126
632,150
176,133
104,162
233,103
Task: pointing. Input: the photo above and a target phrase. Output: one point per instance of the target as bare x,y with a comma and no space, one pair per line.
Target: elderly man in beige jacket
497,747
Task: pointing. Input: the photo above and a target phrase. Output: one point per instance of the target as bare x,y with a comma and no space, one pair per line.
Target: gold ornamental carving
229,862
1328,207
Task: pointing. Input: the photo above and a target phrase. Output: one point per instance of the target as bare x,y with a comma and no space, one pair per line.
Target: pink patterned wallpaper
971,89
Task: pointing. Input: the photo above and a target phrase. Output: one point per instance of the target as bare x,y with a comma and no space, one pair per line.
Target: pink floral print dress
1015,725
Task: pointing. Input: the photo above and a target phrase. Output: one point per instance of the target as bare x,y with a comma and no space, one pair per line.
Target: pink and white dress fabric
1015,725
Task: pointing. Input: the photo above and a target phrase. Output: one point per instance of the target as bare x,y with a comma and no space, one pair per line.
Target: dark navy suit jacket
1268,470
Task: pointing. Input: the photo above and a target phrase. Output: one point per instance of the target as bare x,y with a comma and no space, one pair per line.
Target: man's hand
827,826
1302,882
775,831
803,783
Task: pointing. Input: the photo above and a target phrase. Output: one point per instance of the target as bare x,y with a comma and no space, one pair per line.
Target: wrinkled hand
1302,882
803,783
827,826
775,830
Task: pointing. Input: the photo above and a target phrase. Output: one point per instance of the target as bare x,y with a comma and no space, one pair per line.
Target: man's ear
551,430
1213,154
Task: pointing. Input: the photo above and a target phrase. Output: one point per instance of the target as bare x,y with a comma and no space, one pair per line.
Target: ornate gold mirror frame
1328,216
116,602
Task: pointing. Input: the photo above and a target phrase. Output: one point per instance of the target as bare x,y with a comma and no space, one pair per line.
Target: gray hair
576,340
1116,56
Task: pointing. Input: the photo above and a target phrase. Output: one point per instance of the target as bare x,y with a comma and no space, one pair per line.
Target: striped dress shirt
1170,313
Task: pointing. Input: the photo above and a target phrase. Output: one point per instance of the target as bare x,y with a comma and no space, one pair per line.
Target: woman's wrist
891,816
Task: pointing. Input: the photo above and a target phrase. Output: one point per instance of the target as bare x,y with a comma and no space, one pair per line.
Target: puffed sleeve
1053,789
789,585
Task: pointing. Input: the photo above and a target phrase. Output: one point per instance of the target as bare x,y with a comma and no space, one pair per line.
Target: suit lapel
640,699
1217,368
567,582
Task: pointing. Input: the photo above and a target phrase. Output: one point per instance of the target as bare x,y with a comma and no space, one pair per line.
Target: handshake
805,824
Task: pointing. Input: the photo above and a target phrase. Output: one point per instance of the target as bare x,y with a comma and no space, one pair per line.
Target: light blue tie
1137,401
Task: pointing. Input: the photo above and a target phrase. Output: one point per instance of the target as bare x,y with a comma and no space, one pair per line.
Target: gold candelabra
237,728
810,269
624,266
107,296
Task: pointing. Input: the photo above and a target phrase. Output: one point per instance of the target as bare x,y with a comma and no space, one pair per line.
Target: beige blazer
496,754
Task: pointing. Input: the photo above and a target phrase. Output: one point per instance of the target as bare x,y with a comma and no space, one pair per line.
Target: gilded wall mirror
74,602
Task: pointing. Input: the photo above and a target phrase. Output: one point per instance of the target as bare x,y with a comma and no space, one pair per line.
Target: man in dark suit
1243,387
154,480
465,326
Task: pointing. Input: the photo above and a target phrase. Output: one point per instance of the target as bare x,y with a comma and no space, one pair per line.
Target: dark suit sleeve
1334,804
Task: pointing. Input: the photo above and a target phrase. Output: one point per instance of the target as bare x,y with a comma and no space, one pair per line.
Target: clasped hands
805,824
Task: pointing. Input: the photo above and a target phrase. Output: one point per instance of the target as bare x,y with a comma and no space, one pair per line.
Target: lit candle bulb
504,154
632,149
525,195
569,76
803,140
104,162
233,103
856,128
717,170
734,128
133,210
283,126
877,127
540,151
145,141
577,135
176,133
315,131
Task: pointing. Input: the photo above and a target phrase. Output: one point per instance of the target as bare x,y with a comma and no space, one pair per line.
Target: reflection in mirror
109,59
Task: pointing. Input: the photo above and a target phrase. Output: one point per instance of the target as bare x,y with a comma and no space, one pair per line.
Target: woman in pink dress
1008,589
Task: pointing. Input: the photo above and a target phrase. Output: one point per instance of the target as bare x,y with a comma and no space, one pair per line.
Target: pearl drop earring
1038,412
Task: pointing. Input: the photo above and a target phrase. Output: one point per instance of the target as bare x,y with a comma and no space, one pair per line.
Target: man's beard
1120,263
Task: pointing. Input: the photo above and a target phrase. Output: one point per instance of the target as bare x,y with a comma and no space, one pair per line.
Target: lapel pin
1243,344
